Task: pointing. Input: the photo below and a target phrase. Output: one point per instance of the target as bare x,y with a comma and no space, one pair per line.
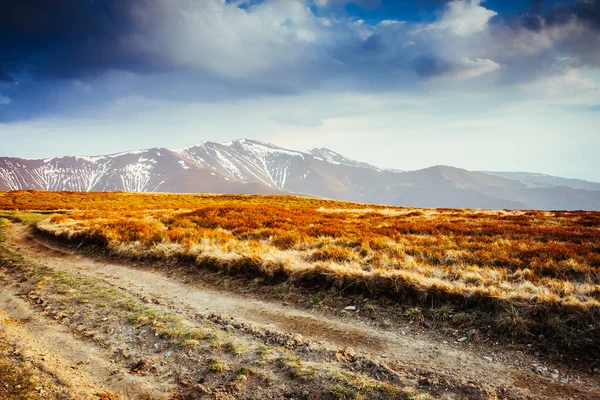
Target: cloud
390,22
4,77
430,66
4,100
74,39
569,82
464,18
466,68
473,68
73,54
572,29
269,36
529,46
67,38
369,4
274,43
584,11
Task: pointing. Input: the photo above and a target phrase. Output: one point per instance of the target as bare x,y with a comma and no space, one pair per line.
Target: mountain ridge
252,166
537,178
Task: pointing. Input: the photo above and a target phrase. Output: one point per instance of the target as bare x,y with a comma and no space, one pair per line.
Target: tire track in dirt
415,353
83,369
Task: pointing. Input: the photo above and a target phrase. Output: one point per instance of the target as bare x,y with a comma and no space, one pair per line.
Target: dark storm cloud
68,38
429,66
70,54
81,38
532,22
571,29
4,77
374,44
585,11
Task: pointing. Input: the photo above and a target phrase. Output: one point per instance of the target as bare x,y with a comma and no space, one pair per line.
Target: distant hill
548,180
250,166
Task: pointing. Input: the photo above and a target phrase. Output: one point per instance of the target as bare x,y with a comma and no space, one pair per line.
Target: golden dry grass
525,266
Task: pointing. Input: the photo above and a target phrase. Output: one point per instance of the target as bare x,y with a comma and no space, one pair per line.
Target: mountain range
251,166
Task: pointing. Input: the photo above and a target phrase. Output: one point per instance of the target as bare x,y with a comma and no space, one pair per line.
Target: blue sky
488,85
419,11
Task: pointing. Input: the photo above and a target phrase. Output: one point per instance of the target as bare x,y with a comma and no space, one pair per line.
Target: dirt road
424,354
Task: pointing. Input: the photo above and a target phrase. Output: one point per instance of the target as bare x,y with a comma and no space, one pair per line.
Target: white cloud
467,68
464,18
341,3
390,22
568,83
227,40
361,29
4,100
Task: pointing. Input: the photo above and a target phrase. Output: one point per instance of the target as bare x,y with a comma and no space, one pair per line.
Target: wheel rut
422,354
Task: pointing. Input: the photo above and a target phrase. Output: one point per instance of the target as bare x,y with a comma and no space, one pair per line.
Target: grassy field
530,273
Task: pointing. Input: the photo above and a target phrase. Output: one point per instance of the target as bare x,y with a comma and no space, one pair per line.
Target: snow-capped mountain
242,165
250,166
319,172
247,161
336,158
152,170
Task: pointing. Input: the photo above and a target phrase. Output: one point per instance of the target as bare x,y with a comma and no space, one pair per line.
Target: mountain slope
250,166
544,179
336,158
247,161
153,170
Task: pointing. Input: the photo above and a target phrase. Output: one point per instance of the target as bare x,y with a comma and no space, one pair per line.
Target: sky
482,85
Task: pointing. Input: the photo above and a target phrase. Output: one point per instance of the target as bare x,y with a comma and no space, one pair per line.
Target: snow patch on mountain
183,164
136,176
251,166
332,157
246,160
243,160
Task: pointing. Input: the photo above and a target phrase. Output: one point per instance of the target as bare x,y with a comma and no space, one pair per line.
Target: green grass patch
216,365
350,385
24,217
338,391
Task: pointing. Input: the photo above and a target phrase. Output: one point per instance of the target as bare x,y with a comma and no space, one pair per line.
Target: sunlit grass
540,257
24,217
532,262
